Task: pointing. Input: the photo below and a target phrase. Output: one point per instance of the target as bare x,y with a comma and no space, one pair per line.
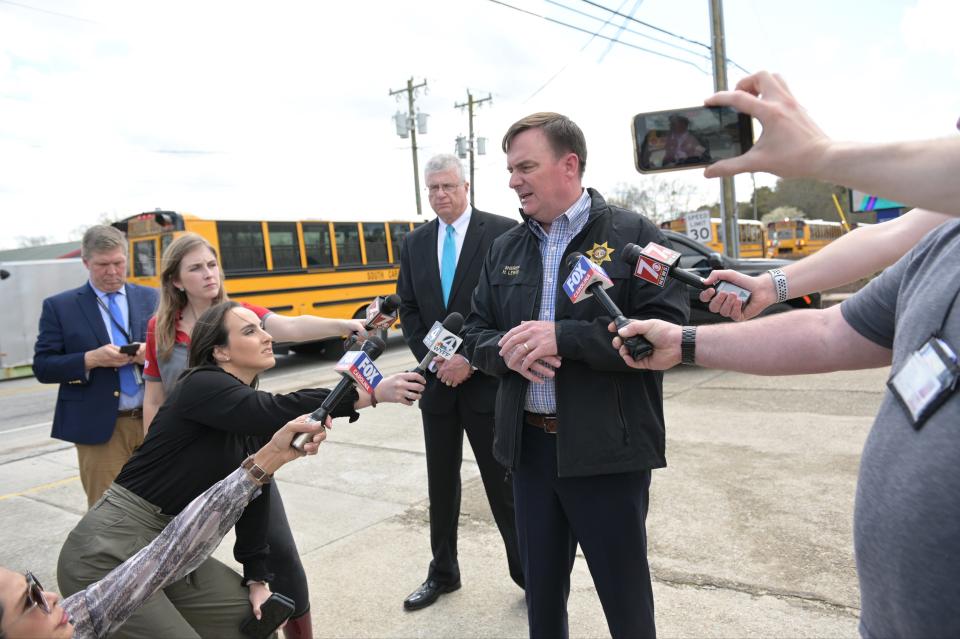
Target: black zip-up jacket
610,415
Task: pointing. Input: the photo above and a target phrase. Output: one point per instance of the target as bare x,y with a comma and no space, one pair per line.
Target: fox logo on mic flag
582,275
361,369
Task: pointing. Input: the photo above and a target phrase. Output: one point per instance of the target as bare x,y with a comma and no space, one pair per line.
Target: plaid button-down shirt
542,398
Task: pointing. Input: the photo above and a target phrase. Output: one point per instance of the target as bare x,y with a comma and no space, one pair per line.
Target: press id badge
927,379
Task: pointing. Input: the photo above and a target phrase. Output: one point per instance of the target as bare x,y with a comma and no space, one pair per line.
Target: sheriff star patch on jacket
600,253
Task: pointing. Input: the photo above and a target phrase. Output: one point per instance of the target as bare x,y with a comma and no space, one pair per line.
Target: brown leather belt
133,412
547,422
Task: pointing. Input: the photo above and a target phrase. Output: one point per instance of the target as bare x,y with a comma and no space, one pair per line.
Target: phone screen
689,138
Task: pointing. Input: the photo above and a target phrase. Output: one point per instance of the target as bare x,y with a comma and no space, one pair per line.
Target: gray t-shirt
907,514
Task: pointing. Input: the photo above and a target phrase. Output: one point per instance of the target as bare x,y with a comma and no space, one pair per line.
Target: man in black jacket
579,429
439,265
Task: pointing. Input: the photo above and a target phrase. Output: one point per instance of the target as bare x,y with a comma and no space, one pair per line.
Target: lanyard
116,323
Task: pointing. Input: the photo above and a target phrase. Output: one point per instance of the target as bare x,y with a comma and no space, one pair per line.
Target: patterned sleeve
182,546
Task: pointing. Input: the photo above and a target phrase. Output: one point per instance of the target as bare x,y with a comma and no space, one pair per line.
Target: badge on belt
927,379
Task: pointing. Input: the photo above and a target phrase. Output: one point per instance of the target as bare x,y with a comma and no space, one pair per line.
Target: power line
582,30
634,32
564,67
664,31
623,27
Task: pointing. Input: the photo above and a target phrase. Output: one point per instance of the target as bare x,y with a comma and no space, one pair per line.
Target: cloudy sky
243,110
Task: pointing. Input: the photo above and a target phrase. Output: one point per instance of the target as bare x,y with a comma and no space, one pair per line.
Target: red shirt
151,366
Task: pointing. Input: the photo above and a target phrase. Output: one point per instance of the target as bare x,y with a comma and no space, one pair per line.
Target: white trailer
23,287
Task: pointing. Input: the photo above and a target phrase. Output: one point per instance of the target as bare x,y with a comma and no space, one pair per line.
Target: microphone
381,313
586,279
357,368
443,340
655,263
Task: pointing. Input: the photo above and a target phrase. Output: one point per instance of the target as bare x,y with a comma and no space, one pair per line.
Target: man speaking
579,429
439,266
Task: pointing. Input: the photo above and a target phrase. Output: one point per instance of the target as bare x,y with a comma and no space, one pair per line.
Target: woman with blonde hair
191,282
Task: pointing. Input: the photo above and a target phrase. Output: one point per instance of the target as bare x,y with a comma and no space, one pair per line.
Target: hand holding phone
273,612
689,138
130,349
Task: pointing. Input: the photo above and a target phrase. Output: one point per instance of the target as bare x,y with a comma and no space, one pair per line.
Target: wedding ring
527,348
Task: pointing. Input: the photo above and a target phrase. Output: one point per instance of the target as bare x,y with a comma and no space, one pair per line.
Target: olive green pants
209,603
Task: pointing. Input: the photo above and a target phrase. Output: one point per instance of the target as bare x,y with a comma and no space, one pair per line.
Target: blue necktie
448,263
128,382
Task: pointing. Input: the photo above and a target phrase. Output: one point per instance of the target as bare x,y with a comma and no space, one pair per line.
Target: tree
782,213
25,241
655,197
813,197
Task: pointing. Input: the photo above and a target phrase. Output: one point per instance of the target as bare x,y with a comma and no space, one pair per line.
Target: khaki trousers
209,603
101,463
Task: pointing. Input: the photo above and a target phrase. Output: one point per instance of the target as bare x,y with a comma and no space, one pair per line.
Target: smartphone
130,349
689,138
273,612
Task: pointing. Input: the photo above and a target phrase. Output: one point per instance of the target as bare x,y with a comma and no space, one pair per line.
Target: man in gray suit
439,267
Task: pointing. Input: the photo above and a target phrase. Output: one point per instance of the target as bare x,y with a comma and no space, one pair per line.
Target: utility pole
412,122
470,104
728,199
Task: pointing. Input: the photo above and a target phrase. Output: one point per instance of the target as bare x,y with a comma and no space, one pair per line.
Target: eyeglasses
433,189
35,598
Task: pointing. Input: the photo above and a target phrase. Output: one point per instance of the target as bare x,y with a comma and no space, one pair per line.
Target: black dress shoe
428,592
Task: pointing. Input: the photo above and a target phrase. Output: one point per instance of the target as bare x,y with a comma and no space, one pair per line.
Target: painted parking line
41,487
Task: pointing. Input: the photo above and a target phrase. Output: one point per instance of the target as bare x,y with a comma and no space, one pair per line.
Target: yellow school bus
752,236
799,238
305,267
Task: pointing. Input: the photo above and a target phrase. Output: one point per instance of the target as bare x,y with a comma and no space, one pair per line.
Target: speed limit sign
698,226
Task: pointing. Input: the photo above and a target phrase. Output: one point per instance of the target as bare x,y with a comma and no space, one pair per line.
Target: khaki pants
209,603
101,463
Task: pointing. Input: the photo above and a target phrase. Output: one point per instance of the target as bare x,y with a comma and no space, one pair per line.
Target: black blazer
418,286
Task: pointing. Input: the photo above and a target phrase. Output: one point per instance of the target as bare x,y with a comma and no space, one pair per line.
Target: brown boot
299,628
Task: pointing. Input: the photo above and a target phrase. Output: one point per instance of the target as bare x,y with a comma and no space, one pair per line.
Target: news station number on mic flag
698,226
361,369
441,341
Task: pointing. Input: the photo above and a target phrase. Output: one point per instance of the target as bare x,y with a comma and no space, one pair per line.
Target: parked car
699,259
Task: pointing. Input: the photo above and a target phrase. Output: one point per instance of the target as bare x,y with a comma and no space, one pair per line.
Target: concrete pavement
750,527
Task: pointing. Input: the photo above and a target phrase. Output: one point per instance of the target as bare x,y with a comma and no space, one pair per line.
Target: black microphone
654,263
373,347
381,313
585,275
444,337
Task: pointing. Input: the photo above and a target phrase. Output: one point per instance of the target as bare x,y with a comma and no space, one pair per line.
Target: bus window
316,241
347,235
398,231
375,241
284,246
165,240
145,258
241,247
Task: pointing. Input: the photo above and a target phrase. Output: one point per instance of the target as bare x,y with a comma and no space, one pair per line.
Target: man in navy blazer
99,406
437,278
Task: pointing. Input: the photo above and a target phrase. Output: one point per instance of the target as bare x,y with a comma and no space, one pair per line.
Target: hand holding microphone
357,368
655,263
381,313
586,279
442,339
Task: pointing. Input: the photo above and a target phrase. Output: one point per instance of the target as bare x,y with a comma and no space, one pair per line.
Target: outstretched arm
186,542
918,173
795,343
858,254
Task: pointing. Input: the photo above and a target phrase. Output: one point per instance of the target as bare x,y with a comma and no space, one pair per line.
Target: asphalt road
750,525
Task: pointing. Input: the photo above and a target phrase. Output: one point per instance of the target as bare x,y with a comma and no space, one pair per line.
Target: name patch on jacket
511,271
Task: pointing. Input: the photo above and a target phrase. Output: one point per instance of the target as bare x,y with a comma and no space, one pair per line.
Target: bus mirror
715,260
